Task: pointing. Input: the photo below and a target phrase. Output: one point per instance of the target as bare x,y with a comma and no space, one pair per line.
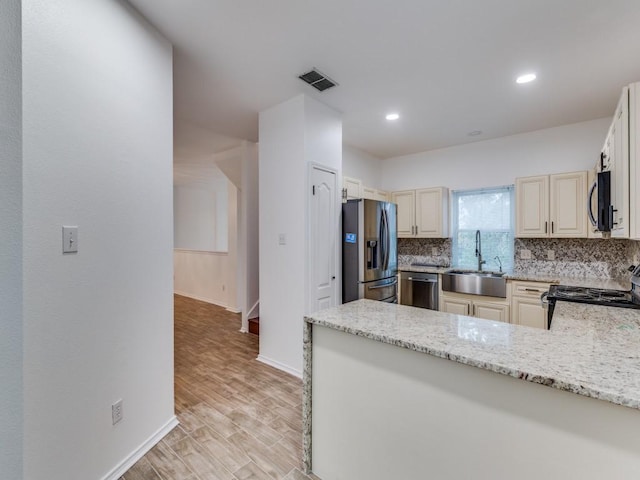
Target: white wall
211,276
499,161
10,242
362,166
292,135
98,325
195,218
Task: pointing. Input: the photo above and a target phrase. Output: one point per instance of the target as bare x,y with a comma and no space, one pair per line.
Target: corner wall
11,315
98,325
293,135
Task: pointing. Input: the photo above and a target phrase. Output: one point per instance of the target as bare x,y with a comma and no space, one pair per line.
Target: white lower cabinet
491,311
526,307
474,306
455,305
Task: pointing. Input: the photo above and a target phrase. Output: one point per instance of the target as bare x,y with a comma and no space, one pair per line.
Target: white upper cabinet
615,153
634,161
432,212
381,195
567,205
353,187
552,206
422,213
406,214
532,206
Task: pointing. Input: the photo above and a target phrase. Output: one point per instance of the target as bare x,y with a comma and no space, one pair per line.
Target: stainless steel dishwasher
419,290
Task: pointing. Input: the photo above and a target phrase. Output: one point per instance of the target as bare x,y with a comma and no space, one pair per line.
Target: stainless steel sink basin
491,284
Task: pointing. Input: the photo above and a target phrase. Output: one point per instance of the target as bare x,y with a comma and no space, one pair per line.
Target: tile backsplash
575,257
422,250
571,257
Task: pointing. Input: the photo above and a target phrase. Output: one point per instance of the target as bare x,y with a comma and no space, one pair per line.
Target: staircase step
254,325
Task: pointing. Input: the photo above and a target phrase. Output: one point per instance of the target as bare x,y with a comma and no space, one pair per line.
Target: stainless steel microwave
601,188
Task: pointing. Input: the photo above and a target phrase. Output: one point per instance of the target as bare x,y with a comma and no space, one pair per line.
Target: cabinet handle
531,290
551,227
473,311
545,227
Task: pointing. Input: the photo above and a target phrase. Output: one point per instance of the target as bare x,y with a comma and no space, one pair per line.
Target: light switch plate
434,251
282,239
551,255
69,239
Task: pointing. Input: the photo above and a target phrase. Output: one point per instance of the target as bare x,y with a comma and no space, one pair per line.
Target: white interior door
324,231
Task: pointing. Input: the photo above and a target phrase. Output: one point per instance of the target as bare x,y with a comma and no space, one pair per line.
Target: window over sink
490,210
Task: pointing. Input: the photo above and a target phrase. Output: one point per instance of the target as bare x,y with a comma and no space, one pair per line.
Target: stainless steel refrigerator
369,251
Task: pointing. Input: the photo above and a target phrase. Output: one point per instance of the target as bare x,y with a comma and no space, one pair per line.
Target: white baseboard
207,300
280,366
140,452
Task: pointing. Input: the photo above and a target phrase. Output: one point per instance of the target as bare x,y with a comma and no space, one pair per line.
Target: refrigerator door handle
384,239
376,287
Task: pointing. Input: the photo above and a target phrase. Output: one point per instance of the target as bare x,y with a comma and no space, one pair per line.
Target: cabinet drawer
529,289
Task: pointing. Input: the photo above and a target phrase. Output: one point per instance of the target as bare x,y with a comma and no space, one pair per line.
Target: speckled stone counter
420,269
590,350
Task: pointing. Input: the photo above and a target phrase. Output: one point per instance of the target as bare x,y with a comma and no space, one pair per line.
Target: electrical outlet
116,412
282,239
551,255
434,251
525,254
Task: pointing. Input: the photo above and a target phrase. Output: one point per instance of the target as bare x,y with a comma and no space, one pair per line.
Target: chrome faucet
479,250
499,262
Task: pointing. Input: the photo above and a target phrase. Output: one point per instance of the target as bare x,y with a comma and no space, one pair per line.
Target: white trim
243,330
140,452
201,252
207,300
280,366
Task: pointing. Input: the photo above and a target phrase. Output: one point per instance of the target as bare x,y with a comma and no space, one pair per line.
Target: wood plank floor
239,419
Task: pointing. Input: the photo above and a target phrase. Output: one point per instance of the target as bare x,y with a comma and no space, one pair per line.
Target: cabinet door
381,195
406,214
431,212
352,186
619,161
528,312
532,206
567,206
369,193
491,311
457,306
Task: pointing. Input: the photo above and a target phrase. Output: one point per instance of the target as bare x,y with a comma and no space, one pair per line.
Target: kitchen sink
490,284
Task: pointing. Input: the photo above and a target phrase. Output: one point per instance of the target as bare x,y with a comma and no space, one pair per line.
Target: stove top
595,296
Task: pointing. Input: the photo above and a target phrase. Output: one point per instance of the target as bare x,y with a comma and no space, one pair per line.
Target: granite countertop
590,350
609,283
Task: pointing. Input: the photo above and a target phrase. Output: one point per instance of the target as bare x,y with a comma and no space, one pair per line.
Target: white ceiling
447,66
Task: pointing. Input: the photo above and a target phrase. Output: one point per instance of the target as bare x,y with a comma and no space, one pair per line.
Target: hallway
239,419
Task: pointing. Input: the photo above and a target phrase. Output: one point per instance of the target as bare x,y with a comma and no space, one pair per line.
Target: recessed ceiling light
526,78
392,116
475,133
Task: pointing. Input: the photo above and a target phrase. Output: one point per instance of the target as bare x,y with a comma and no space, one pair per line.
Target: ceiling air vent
317,80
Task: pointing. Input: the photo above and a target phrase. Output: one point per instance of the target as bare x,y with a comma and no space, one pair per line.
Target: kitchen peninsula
399,392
